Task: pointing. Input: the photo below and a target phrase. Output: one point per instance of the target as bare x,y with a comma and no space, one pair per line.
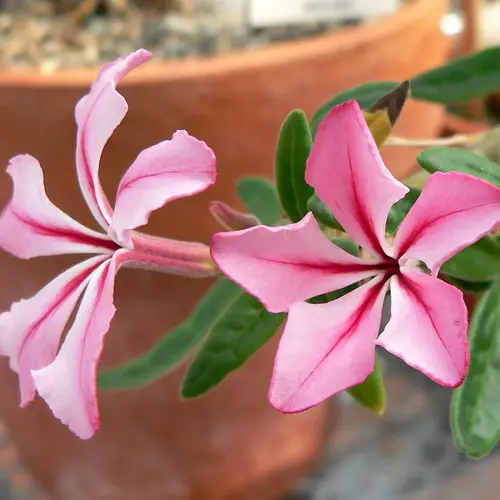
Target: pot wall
229,444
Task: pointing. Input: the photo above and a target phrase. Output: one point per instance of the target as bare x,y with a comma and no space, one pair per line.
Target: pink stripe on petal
453,211
97,115
30,332
287,264
347,172
31,225
164,172
428,327
68,384
327,348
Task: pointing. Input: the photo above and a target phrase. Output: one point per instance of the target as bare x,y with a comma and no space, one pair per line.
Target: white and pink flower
31,225
326,348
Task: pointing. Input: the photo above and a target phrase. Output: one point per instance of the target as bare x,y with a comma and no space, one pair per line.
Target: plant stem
460,140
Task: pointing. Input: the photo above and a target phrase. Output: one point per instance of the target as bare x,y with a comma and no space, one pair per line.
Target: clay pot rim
195,68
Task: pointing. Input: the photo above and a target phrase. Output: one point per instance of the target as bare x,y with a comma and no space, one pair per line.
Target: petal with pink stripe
428,327
97,115
30,332
31,225
162,173
327,348
453,211
68,384
287,264
348,174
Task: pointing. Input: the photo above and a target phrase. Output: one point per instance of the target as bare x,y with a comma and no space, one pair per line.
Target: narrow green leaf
322,214
400,209
366,95
173,349
371,393
462,79
469,286
260,197
292,151
239,332
348,245
475,406
459,160
477,263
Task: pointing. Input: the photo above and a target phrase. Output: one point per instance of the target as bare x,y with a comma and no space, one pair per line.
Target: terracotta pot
229,444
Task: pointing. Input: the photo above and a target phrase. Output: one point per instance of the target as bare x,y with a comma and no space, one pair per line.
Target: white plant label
266,13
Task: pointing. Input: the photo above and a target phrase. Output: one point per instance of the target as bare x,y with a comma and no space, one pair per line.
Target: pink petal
31,331
97,115
428,327
31,225
167,171
348,174
286,264
68,384
453,211
327,348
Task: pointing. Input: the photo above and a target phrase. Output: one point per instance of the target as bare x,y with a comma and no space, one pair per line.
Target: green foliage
400,209
461,79
260,197
479,262
371,393
243,328
322,214
177,344
292,151
459,160
475,406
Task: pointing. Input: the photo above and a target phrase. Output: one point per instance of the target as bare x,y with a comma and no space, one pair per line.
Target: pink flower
31,226
327,348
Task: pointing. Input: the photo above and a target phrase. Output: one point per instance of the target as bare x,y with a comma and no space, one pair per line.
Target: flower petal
327,348
428,327
30,332
68,384
347,172
167,171
31,225
97,115
453,211
287,264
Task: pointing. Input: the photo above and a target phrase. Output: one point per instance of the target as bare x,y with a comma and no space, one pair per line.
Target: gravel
37,33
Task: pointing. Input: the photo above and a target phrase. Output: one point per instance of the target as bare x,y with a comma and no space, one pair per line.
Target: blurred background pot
231,443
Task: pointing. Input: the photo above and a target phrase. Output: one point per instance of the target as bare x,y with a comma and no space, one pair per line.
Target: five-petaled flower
326,348
30,226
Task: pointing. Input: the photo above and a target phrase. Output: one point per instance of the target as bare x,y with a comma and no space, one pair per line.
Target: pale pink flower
31,225
327,348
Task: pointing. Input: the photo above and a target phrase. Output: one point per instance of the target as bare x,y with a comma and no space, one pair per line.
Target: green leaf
174,348
462,79
371,393
243,328
366,95
400,209
322,214
475,406
477,263
469,286
459,160
348,245
260,197
292,151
